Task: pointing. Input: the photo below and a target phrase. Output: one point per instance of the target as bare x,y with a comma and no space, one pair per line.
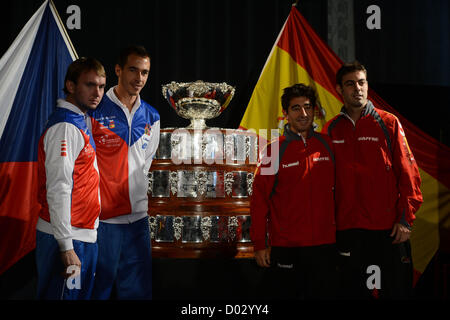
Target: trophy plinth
201,179
198,101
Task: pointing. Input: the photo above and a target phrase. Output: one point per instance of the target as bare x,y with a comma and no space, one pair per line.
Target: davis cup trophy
200,181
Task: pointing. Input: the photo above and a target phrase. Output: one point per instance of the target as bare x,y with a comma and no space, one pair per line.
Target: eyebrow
137,68
354,81
297,105
93,83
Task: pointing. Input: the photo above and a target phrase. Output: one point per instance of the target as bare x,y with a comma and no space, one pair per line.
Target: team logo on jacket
111,124
147,129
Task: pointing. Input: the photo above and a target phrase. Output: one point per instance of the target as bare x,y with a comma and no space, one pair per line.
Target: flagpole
63,28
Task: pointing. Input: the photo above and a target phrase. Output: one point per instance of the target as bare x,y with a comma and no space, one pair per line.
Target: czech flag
32,75
300,56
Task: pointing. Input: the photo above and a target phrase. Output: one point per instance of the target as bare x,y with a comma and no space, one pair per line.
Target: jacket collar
62,103
294,136
366,110
112,96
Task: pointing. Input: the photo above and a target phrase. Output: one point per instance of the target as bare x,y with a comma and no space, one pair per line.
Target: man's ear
339,89
118,70
284,113
70,85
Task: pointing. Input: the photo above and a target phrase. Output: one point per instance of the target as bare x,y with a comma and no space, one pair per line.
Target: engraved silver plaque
252,148
219,229
187,185
192,232
239,147
164,150
239,189
181,145
160,184
196,146
212,146
215,184
164,229
243,228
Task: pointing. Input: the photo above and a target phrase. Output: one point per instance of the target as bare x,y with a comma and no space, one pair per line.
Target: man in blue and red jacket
68,182
377,192
292,206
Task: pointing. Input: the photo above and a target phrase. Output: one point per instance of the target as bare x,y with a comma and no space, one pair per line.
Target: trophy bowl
198,101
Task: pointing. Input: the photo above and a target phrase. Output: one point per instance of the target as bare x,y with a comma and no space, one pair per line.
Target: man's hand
70,258
263,257
400,233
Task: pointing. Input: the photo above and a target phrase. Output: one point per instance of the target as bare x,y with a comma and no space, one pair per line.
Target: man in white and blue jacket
126,133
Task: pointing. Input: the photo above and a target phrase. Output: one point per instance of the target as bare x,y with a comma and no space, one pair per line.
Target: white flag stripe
63,31
13,63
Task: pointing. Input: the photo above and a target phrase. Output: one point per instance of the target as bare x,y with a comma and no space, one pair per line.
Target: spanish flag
300,56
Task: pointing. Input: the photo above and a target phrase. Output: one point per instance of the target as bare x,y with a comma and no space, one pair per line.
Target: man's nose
140,76
98,91
303,112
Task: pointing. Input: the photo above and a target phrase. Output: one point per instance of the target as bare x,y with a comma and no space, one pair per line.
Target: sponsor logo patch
321,159
291,164
375,139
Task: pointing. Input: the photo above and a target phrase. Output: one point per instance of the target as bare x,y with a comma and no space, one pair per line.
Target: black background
230,40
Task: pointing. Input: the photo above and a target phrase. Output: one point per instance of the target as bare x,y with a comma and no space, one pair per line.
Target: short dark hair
134,49
298,90
349,68
80,66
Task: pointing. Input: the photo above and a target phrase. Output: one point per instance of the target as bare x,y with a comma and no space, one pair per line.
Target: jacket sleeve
408,177
62,144
260,200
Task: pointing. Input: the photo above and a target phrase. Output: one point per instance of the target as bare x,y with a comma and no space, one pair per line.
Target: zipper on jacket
132,113
304,140
129,130
351,120
308,168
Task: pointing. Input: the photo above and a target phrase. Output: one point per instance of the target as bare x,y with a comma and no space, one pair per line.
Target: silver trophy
198,101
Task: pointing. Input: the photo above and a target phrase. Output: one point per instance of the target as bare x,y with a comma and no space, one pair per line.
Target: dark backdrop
230,41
